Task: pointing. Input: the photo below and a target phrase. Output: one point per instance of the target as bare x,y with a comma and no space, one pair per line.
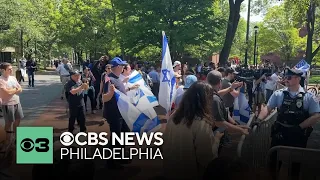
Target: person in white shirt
271,84
124,76
64,71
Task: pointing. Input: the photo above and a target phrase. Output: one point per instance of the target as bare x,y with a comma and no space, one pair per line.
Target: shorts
12,112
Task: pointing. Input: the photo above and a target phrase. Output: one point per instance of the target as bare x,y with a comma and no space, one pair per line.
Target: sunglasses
288,77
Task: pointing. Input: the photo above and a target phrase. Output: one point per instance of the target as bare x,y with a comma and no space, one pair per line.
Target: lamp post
255,46
95,32
247,34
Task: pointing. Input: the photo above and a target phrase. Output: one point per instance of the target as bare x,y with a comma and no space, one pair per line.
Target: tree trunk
79,60
49,56
310,27
234,17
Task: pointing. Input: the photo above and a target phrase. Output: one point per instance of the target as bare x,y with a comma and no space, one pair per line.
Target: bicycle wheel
313,90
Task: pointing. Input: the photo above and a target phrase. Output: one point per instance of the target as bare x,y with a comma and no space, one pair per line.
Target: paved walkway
35,99
43,107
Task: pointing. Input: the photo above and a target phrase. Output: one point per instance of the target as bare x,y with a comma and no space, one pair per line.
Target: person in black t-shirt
76,89
110,109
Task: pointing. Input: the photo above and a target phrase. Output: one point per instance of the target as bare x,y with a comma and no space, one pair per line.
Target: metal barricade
308,158
254,147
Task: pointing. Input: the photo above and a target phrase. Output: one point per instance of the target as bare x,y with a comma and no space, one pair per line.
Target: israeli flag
136,78
142,97
167,88
241,112
136,120
303,66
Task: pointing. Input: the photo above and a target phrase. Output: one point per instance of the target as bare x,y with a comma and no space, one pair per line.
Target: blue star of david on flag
165,76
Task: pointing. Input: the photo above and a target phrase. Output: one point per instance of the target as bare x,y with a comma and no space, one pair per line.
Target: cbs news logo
34,145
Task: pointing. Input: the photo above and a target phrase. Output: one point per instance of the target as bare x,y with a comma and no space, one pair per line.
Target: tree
305,16
278,34
185,22
234,17
305,13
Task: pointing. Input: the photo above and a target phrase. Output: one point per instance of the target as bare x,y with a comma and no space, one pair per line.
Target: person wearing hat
111,111
176,67
229,98
298,111
75,89
190,79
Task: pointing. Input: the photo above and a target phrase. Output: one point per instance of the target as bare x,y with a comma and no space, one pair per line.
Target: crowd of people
201,116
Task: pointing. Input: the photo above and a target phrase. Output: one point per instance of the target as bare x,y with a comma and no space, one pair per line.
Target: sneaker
93,112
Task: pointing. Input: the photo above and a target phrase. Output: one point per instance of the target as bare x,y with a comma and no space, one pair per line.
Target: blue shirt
154,76
310,102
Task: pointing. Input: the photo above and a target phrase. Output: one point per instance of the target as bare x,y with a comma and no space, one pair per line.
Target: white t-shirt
272,83
62,70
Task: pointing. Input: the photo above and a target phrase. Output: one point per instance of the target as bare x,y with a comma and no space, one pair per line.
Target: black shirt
75,100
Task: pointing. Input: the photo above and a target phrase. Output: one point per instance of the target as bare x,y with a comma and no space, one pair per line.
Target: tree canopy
47,29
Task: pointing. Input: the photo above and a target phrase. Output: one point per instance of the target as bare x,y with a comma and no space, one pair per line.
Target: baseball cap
176,63
291,72
190,79
75,72
117,62
230,70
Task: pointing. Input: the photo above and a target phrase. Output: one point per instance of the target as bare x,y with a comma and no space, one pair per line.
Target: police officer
75,89
298,111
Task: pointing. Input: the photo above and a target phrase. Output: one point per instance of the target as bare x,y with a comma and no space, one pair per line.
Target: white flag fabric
241,112
136,120
136,78
167,80
142,97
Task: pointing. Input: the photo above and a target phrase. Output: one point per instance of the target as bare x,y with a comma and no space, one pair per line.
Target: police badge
299,103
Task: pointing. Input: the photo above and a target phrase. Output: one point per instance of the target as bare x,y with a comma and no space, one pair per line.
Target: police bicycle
315,89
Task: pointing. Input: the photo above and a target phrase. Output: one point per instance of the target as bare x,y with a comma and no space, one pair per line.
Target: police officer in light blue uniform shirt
297,110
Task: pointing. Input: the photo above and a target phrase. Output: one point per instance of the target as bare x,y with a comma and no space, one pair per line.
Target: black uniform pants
281,136
91,97
77,113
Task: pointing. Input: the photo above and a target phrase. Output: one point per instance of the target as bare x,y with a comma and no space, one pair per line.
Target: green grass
314,78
